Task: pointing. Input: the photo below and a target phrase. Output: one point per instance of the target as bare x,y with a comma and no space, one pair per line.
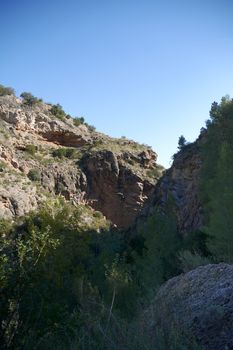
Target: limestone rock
113,188
111,175
200,303
181,184
39,120
18,199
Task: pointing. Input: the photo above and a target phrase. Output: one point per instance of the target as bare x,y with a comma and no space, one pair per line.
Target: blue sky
147,70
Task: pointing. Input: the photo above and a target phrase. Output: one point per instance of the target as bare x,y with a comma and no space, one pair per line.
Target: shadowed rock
200,303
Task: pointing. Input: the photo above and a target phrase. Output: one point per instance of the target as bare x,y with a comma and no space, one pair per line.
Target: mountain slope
43,155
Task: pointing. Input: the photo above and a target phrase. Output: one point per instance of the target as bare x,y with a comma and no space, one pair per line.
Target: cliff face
114,188
118,177
180,185
42,156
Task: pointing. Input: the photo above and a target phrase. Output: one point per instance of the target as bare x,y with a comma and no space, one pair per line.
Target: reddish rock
114,189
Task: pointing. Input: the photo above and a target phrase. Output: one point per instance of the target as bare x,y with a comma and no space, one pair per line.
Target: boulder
199,304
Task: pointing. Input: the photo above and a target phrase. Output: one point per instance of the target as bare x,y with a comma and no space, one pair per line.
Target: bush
97,214
81,121
189,261
78,121
34,175
29,99
154,173
5,91
91,128
31,149
58,112
64,152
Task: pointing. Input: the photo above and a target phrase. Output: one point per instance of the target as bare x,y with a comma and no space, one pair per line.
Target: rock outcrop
40,120
113,188
200,303
180,185
18,200
114,176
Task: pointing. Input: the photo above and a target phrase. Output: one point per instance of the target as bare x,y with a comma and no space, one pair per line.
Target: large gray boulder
199,304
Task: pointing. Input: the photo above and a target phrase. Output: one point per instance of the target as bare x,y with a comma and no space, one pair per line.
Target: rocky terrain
114,176
179,188
181,185
47,155
42,155
200,303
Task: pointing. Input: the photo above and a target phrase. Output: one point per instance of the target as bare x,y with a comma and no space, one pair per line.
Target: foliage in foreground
69,281
68,284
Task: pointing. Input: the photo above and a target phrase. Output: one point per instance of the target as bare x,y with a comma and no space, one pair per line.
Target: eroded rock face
18,199
64,179
39,120
199,302
181,185
114,176
113,188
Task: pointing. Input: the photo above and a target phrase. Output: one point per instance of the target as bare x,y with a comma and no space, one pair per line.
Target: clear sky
144,69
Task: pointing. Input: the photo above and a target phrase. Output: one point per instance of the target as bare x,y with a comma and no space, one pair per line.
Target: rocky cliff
180,186
42,155
114,176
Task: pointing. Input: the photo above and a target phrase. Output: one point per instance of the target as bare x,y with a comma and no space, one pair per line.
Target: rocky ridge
180,186
115,176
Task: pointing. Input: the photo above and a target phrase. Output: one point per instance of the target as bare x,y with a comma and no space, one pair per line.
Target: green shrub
2,166
64,152
91,127
155,248
60,153
29,99
81,121
34,175
58,112
78,121
189,261
154,173
5,91
97,214
31,149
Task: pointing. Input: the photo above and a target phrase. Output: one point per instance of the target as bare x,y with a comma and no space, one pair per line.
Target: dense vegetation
64,282
217,184
71,281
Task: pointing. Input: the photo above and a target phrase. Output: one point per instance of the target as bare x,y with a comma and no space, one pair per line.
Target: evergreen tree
181,142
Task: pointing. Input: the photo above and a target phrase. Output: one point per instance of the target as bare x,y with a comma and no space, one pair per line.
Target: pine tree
181,142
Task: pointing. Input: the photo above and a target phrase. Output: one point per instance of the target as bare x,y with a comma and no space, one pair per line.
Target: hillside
100,247
44,153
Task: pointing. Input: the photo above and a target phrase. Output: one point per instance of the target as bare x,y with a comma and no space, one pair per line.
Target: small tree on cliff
181,142
5,90
29,99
